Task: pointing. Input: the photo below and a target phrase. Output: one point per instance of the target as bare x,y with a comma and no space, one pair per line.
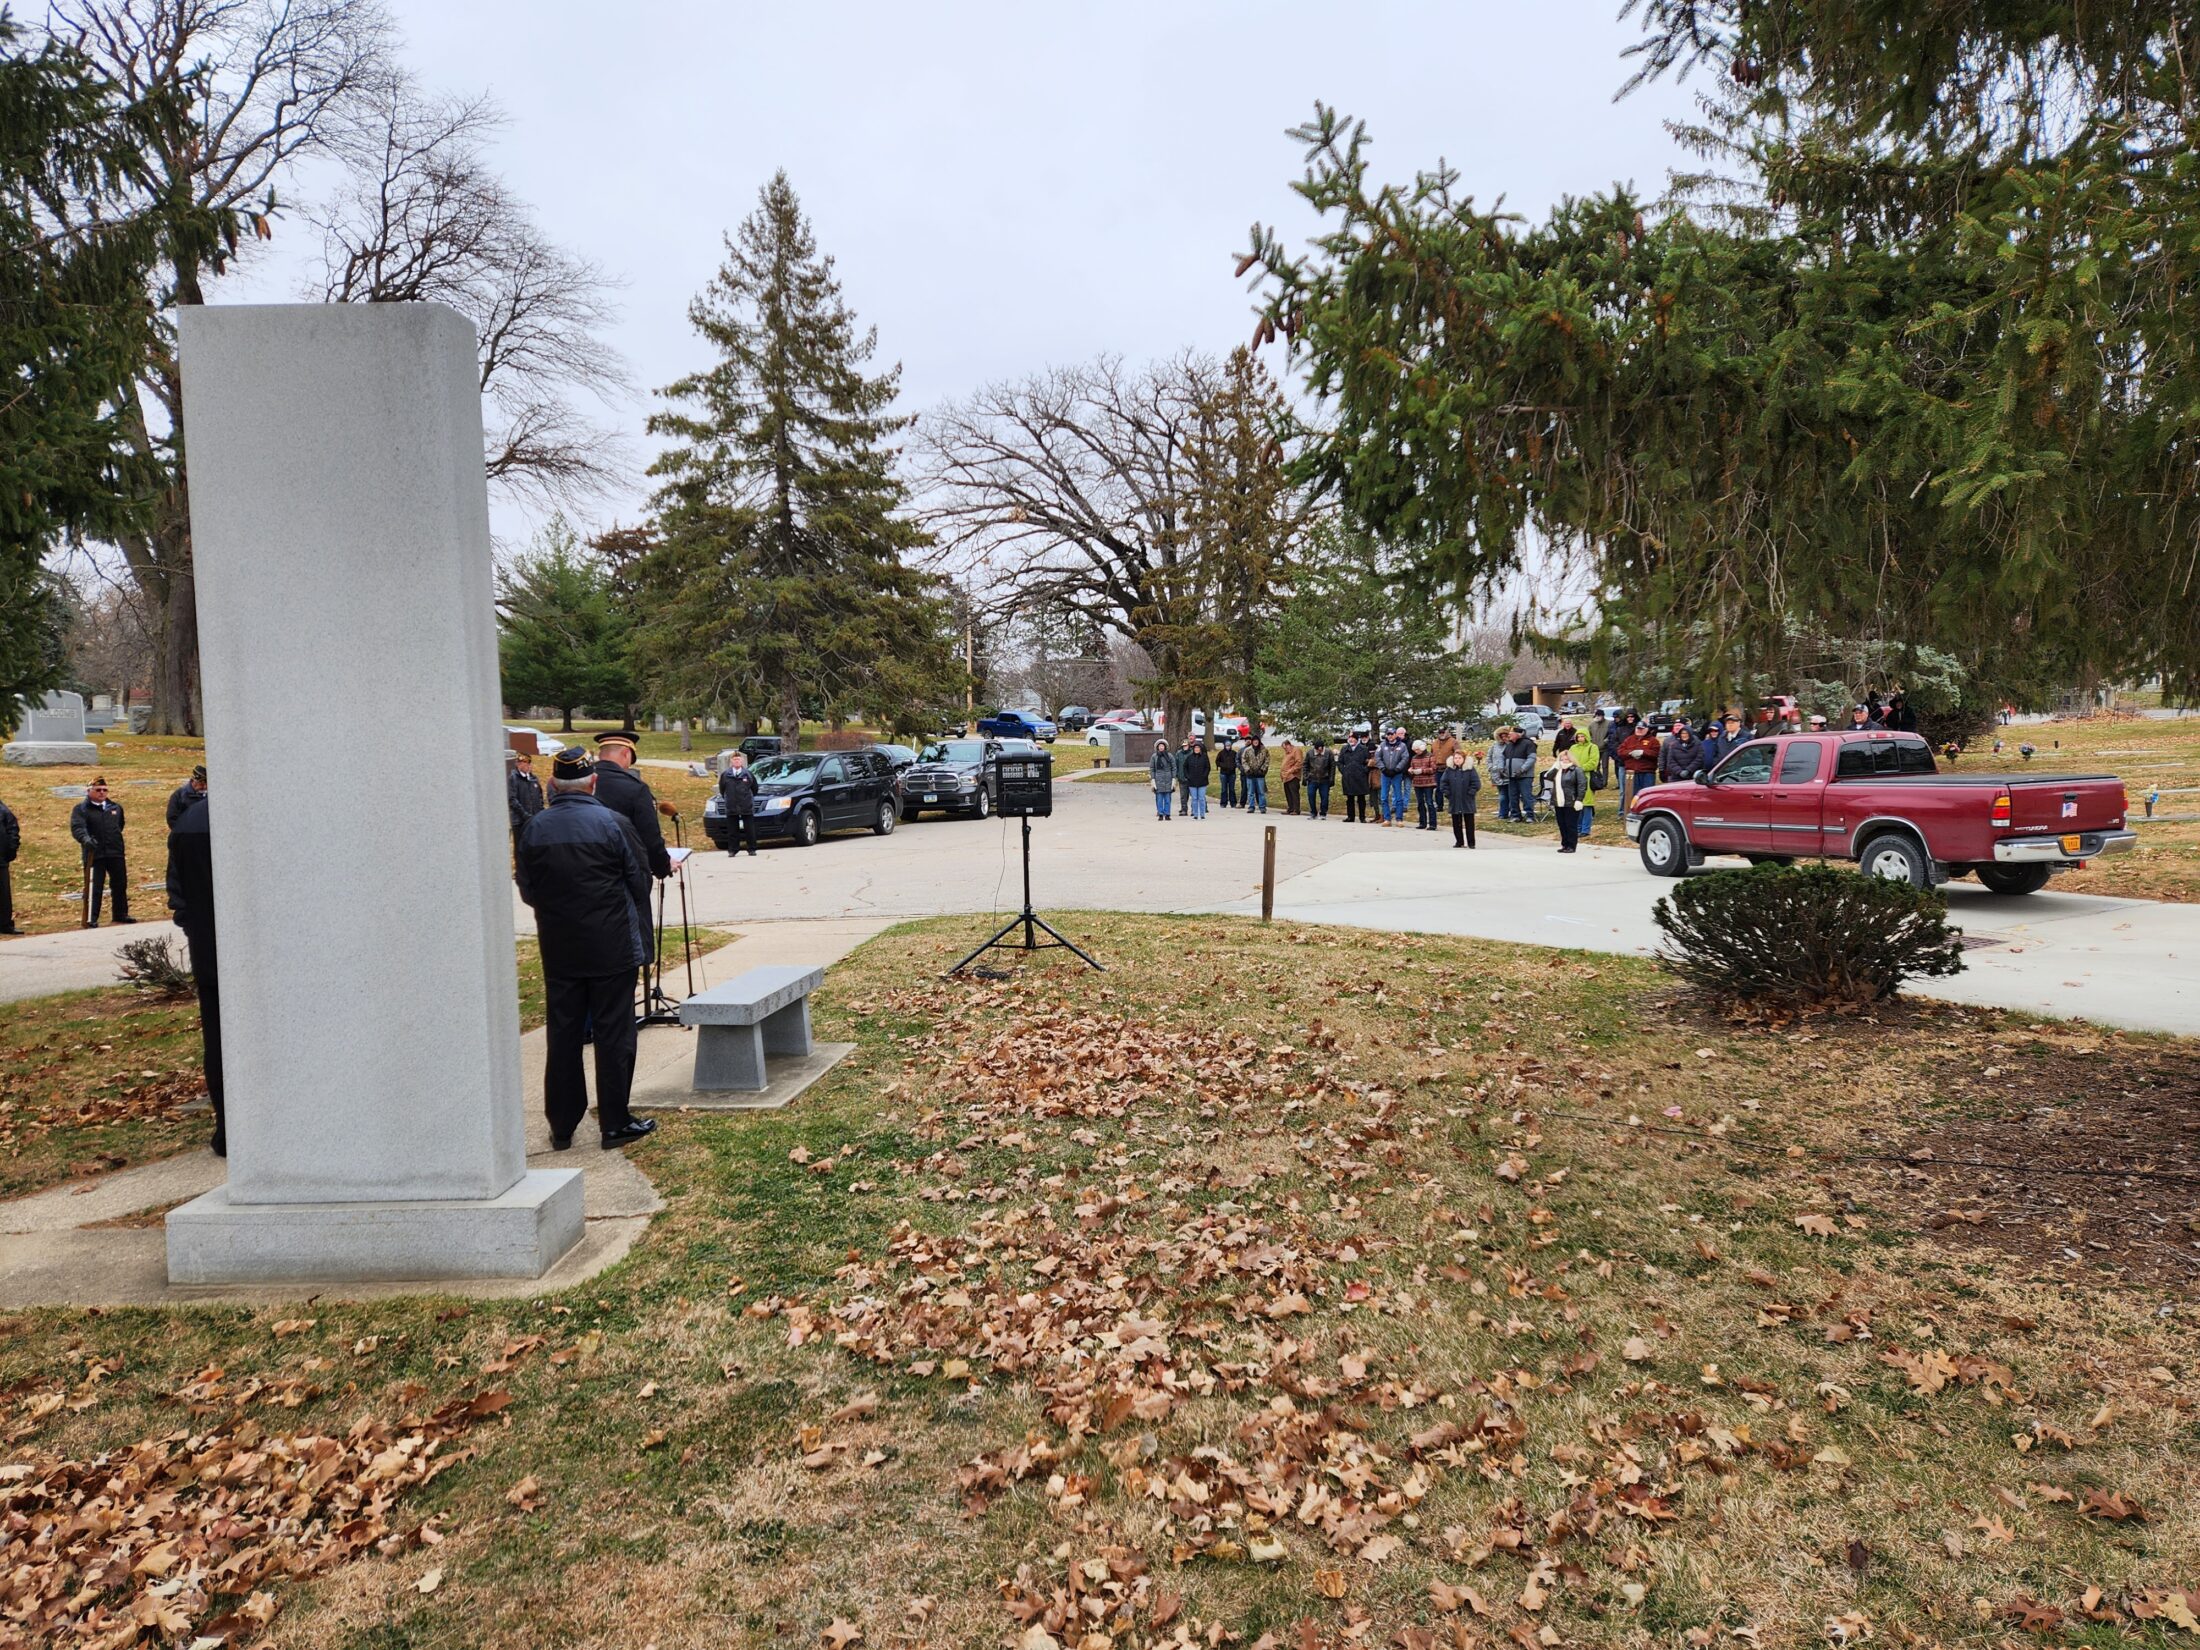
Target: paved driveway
2122,962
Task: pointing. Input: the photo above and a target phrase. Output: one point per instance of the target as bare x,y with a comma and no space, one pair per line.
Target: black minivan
803,796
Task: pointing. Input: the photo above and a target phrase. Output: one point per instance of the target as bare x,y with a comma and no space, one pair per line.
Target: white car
1097,735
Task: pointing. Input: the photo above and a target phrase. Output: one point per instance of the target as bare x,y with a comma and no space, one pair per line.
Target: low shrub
158,965
1804,937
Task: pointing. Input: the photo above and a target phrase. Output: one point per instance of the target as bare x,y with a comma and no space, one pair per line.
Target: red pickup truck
1878,798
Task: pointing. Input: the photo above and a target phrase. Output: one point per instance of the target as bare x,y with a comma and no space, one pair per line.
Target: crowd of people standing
1381,779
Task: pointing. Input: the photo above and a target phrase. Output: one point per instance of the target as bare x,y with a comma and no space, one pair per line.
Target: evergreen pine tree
1354,644
73,318
777,578
563,637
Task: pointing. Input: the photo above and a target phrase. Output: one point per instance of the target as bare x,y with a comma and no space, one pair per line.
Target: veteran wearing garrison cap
581,868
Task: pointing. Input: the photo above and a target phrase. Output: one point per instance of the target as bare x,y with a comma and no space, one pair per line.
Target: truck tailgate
2038,804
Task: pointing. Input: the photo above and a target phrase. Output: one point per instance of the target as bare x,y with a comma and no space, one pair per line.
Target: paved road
2123,962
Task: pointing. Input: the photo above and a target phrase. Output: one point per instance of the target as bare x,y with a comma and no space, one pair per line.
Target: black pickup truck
954,776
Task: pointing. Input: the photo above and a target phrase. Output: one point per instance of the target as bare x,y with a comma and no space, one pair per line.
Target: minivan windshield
785,773
956,750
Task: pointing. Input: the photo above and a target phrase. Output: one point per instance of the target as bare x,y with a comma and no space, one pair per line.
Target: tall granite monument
370,1021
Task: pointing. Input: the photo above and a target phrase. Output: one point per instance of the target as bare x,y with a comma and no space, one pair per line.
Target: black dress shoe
634,1128
125,919
219,1144
561,1142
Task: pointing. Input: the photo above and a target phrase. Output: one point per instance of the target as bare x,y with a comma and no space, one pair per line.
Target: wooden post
1268,874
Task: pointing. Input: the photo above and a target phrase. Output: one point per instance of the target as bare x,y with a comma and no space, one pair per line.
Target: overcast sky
1008,186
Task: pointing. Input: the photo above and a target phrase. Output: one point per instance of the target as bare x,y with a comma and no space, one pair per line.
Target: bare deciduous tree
423,219
267,82
1072,491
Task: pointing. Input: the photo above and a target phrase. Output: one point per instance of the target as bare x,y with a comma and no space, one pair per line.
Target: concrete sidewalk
2119,962
58,1248
76,959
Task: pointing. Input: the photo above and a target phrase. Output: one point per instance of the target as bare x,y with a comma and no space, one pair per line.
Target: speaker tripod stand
1030,922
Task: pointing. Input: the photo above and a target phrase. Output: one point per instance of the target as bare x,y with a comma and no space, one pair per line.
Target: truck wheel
1664,850
883,825
1898,858
983,807
805,832
2013,879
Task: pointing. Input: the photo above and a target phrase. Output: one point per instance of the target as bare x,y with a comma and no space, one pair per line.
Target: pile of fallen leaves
25,1120
1182,1243
176,1538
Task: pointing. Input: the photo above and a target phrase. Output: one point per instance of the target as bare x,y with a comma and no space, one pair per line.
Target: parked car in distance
805,796
757,746
1125,713
1074,718
1097,734
1879,798
1777,707
954,776
1016,724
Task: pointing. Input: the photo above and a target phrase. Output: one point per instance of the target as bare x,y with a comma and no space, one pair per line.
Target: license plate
930,797
2071,844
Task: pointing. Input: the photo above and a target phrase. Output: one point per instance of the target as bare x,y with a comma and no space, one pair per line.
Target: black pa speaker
1023,784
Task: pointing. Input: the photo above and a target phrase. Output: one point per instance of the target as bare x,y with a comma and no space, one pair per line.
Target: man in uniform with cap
582,870
190,791
191,901
626,793
97,823
522,790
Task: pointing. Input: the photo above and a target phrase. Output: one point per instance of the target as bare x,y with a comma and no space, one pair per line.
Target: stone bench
765,1011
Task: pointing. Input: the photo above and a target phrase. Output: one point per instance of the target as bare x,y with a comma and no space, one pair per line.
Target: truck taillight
2001,809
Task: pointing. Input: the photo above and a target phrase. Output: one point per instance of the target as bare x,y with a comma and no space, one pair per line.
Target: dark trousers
1569,827
7,898
570,1008
1424,803
1290,796
1317,798
740,832
102,873
206,974
1355,807
1462,830
1228,798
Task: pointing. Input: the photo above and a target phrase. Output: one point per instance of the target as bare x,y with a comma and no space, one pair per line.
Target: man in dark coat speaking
191,902
580,867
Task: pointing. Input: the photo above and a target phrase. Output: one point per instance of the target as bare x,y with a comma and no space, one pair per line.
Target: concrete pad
130,1268
672,1088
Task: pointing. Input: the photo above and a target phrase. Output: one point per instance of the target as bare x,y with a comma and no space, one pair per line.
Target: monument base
49,753
518,1235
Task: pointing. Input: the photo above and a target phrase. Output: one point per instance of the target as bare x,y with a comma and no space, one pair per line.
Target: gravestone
51,735
370,1022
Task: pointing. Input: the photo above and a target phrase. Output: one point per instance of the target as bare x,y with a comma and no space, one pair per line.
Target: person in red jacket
1638,761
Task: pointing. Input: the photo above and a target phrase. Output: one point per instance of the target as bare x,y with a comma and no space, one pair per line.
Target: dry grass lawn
1278,1286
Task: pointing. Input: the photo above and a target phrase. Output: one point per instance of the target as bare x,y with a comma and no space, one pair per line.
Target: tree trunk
788,720
567,726
176,658
687,735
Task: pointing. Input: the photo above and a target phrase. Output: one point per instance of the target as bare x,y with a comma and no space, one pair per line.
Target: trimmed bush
158,965
1804,937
